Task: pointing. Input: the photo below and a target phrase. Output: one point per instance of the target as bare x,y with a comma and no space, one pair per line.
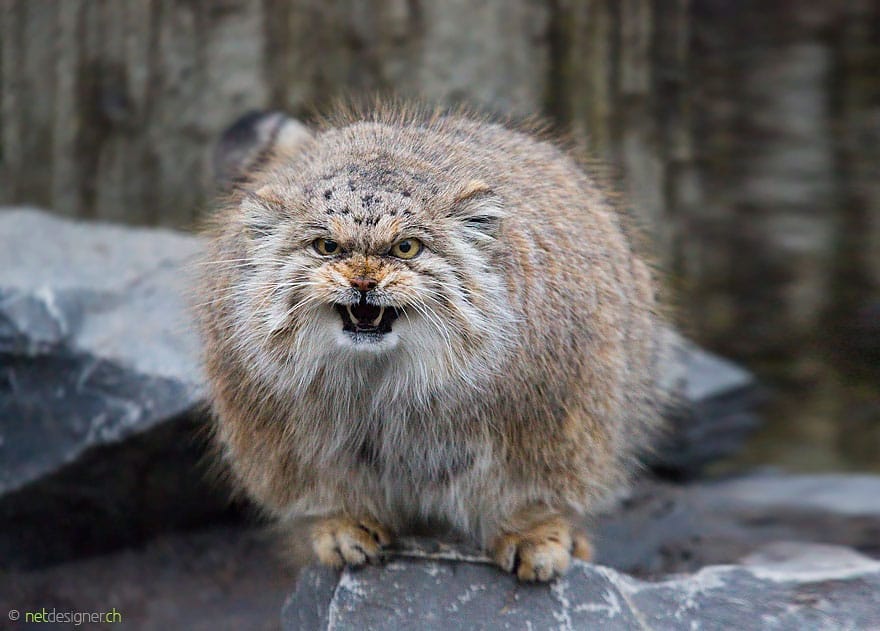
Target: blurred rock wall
746,134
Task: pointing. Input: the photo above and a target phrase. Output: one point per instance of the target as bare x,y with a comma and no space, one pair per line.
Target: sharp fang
351,315
378,318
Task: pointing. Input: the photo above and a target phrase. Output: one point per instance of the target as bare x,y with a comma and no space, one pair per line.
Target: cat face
368,261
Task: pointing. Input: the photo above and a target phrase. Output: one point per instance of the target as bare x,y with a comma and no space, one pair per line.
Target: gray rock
112,291
784,586
661,528
767,551
713,411
98,380
100,390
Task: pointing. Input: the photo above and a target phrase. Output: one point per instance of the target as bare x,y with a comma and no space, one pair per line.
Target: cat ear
260,211
480,210
253,139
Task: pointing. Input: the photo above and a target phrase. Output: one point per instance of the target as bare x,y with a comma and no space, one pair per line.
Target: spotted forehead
364,192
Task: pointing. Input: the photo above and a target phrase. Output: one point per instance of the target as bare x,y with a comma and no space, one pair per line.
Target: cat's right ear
251,140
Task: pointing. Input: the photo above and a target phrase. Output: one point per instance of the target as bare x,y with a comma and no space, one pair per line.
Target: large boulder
101,393
749,553
99,379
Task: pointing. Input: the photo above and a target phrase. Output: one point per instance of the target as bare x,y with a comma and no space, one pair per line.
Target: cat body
428,319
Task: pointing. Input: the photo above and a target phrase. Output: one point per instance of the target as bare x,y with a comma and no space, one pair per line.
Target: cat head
365,244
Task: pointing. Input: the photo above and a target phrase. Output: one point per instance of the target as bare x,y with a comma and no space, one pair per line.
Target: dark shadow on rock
116,495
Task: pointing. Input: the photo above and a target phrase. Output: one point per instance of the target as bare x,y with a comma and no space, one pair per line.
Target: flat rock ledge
793,586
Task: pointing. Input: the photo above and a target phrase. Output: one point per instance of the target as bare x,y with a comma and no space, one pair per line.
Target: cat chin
368,343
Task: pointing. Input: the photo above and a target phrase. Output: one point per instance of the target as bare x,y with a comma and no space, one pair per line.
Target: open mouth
366,318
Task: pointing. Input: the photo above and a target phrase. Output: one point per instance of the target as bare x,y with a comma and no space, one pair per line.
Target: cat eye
406,249
326,247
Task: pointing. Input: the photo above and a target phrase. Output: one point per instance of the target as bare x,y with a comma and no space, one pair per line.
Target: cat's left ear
480,210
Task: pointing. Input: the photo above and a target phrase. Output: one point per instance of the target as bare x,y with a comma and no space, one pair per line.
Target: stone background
745,134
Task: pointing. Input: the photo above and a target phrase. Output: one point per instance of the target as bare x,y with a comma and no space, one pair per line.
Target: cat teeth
351,315
374,322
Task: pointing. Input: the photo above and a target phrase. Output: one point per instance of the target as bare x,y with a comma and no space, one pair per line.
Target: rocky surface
747,553
222,579
713,413
763,551
661,528
780,587
98,380
100,391
94,344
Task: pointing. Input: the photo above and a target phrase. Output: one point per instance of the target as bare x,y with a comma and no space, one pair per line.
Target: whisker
432,319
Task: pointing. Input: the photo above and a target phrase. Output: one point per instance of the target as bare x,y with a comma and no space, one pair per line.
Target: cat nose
363,284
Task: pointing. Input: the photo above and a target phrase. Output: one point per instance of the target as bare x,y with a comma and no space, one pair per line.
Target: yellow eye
406,249
326,247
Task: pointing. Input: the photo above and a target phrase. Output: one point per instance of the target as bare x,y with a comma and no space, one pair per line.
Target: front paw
340,541
542,552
